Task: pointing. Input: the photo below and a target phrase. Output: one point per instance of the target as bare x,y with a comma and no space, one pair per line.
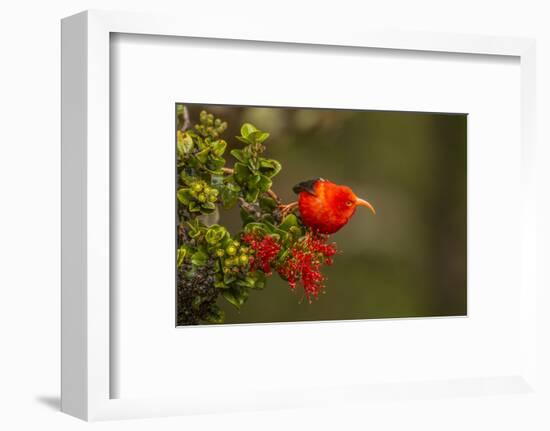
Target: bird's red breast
326,207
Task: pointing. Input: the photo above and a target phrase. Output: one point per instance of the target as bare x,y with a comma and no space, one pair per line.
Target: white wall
30,183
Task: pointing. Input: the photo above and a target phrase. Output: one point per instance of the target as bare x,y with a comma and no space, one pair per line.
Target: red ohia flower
266,250
304,261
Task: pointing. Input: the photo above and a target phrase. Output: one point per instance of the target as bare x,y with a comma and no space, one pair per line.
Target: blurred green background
407,261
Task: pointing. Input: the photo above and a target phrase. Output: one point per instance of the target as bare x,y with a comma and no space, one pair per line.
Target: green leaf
253,280
230,296
282,256
215,234
200,141
199,258
256,228
190,273
241,173
296,231
217,180
270,167
203,155
228,278
219,284
229,195
253,164
276,232
215,163
215,315
185,144
194,228
267,204
208,207
186,179
245,282
180,255
241,294
192,162
184,196
262,137
243,140
251,195
258,136
246,217
236,296
218,147
264,184
253,180
288,222
247,129
194,207
259,279
239,155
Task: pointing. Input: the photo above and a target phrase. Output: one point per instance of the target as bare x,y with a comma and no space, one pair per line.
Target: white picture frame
86,313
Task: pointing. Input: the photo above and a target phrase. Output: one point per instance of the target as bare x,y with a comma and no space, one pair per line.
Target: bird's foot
287,209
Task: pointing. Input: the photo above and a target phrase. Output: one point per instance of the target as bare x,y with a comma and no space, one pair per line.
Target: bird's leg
287,209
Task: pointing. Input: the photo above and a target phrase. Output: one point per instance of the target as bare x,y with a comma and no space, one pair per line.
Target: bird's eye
349,203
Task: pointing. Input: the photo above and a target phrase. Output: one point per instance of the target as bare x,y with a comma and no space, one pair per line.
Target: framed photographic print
337,217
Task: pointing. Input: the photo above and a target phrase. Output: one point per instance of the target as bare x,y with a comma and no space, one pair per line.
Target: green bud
243,258
202,197
212,198
220,252
231,250
197,187
228,262
217,122
236,244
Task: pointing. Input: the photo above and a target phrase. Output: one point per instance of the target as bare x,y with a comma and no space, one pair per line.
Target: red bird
326,207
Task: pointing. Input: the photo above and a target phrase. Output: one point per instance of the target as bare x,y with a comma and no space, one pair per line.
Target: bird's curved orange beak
365,203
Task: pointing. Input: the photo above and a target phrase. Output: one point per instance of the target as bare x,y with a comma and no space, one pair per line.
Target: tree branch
186,119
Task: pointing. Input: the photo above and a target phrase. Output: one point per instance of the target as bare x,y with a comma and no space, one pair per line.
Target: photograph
299,214
247,216
291,214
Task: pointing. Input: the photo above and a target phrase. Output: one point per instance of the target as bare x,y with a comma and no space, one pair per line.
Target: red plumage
326,207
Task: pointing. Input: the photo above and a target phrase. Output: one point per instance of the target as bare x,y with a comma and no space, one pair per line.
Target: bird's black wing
307,186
